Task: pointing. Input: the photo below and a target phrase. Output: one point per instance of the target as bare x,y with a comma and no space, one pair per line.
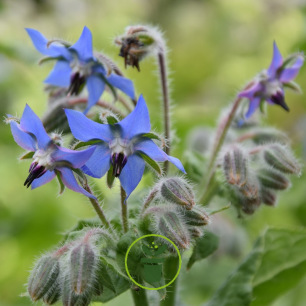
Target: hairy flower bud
53,294
43,276
249,206
273,179
281,158
196,217
268,196
177,191
169,224
83,265
235,166
195,232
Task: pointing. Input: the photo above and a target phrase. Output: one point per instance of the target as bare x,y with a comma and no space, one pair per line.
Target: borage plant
247,169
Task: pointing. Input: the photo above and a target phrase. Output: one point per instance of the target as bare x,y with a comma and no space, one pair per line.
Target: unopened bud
270,178
43,276
281,158
177,191
83,265
53,294
268,196
251,189
249,206
195,232
235,166
196,217
170,225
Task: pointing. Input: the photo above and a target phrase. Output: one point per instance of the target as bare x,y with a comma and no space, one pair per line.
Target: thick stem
221,133
170,269
140,297
166,102
124,211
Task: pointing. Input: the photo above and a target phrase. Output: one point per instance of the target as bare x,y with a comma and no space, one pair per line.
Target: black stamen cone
76,83
118,160
36,171
279,99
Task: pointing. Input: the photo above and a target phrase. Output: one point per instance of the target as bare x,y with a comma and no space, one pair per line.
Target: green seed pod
169,224
53,294
83,266
268,196
273,179
281,158
43,276
177,191
235,166
196,217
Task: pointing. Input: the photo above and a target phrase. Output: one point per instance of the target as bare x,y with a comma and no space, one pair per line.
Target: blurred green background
215,47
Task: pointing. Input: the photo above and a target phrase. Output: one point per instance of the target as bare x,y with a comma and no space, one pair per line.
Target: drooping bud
195,232
170,224
53,294
235,166
249,205
251,189
196,217
83,266
280,158
177,191
43,276
268,196
273,179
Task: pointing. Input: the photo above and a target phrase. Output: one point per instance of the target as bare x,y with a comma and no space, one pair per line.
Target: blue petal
83,46
277,61
137,122
254,104
132,173
69,181
251,90
288,74
23,139
60,75
76,158
31,123
95,86
40,43
123,84
85,129
99,162
44,179
153,151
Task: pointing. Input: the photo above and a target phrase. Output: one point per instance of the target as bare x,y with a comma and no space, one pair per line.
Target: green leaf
237,289
204,247
81,144
110,177
27,155
151,162
283,265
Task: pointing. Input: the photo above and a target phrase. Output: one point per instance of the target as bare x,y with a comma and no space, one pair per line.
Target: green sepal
111,119
145,39
152,163
47,59
110,177
293,86
27,155
62,186
152,136
81,144
262,106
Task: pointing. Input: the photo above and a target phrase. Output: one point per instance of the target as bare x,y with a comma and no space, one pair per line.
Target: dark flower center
279,99
76,83
36,171
129,52
119,161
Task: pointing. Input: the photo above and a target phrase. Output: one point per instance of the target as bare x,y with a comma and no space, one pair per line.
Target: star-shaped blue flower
269,85
48,159
76,66
121,145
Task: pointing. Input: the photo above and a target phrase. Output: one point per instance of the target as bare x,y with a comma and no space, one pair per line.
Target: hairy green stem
140,297
170,269
166,102
124,211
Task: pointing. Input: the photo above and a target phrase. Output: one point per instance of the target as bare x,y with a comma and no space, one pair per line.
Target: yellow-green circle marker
178,270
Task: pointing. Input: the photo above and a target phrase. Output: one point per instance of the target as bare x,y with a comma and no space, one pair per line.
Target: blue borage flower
48,158
121,145
269,85
76,65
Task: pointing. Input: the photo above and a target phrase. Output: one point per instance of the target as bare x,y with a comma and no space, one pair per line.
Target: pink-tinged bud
43,276
251,189
249,206
177,191
195,232
169,224
268,196
281,158
53,294
83,266
235,166
273,179
196,217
